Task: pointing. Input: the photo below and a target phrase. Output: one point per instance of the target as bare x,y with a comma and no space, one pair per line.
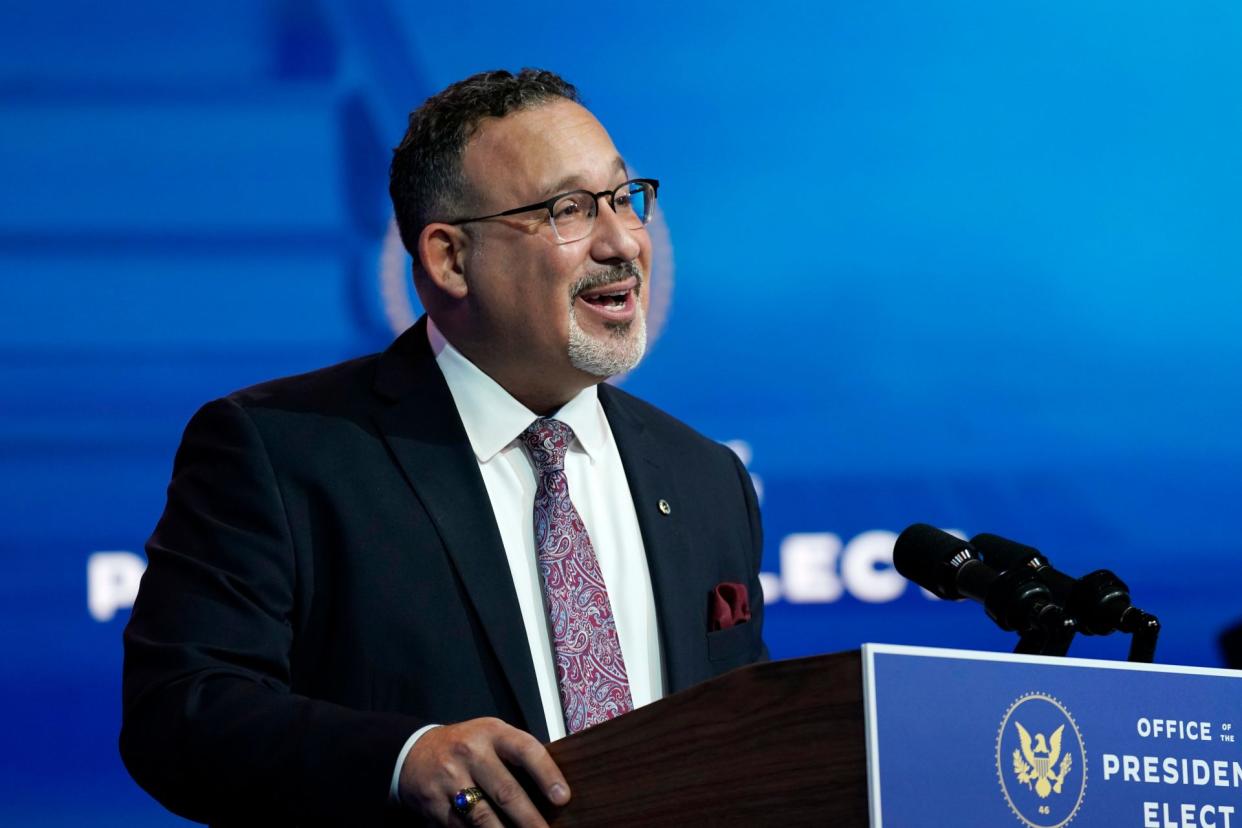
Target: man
347,616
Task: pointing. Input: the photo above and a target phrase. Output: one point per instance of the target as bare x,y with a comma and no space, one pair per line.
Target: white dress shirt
598,487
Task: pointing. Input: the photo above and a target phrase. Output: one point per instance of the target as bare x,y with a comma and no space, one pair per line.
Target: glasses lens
634,201
573,215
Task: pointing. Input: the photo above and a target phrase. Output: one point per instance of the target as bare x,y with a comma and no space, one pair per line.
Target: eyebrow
569,182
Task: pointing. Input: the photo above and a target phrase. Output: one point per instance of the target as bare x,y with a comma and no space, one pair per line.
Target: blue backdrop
973,264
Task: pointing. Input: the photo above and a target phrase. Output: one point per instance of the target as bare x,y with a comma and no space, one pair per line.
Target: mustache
608,276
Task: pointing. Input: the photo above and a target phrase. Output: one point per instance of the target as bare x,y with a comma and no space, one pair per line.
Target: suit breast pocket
733,644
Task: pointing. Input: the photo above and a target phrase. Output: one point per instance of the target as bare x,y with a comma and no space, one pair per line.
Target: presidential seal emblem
1041,761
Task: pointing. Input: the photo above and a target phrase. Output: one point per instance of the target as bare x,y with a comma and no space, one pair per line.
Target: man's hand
446,759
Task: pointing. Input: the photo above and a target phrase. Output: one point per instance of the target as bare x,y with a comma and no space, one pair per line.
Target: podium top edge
871,649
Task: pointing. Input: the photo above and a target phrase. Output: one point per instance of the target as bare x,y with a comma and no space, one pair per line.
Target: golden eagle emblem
1034,764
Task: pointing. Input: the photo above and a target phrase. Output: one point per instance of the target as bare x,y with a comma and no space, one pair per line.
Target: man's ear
442,251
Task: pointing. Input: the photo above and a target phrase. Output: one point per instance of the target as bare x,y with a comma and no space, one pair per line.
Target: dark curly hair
425,179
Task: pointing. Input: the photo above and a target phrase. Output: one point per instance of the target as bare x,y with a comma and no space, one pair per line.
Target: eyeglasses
572,215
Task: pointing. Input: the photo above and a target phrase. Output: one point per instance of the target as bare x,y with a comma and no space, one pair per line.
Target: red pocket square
727,606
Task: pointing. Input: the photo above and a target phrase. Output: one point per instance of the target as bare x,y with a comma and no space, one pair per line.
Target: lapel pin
665,509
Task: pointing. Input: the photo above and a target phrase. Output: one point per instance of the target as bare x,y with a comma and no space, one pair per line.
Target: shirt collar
493,418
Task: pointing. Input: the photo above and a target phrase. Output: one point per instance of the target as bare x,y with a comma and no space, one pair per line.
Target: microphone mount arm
1098,603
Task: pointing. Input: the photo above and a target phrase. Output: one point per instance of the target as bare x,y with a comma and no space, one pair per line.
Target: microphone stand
1038,642
1143,628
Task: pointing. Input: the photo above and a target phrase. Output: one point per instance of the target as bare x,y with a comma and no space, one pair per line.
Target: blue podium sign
960,738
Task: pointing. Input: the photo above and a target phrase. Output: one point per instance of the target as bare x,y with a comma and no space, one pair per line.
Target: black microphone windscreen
1003,554
931,558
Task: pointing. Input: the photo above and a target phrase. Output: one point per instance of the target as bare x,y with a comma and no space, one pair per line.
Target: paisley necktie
590,670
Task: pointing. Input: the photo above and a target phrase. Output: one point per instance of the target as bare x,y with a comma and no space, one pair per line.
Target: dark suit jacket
327,577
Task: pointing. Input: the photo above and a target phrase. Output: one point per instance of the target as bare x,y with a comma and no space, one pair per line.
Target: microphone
1099,602
953,569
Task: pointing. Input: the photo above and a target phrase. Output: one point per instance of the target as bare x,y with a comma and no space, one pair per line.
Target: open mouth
614,302
608,300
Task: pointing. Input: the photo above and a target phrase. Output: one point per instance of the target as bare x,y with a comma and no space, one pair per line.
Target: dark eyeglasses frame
549,203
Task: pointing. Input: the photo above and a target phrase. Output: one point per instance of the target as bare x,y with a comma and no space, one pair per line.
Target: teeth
613,300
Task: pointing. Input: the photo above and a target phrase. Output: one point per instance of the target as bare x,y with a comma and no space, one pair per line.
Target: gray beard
624,344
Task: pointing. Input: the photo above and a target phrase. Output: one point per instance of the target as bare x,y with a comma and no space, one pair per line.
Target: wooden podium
949,737
778,743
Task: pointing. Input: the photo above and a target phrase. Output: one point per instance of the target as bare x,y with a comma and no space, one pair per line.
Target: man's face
570,312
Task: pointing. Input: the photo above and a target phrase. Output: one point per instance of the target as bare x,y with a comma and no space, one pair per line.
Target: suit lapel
682,618
420,424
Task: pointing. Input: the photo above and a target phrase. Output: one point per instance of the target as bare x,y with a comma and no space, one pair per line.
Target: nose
611,240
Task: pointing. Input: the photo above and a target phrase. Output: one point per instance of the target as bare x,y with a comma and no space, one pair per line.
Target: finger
525,751
506,795
437,794
442,806
481,815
